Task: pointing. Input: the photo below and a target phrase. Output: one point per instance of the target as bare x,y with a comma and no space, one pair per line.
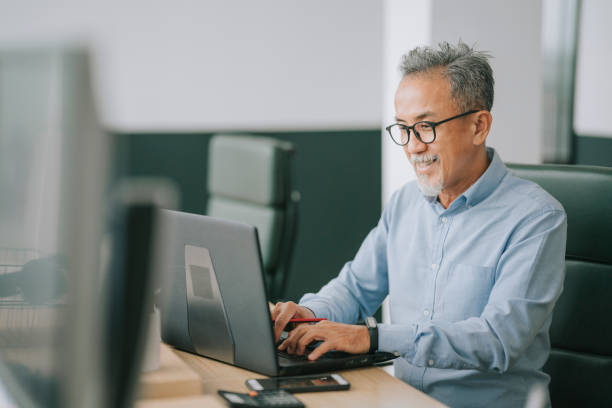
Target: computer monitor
53,159
70,323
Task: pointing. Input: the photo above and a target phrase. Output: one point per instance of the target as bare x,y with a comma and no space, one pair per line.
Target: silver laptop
214,300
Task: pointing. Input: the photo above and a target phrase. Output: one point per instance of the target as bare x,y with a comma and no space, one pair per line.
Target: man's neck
448,195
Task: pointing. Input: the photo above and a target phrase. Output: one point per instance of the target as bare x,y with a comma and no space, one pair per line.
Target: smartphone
303,383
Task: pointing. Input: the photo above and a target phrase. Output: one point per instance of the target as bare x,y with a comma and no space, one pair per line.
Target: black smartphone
302,383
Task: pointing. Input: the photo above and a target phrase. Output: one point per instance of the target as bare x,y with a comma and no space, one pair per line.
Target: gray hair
468,71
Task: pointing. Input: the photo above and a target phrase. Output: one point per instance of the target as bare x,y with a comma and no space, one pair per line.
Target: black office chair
250,180
580,363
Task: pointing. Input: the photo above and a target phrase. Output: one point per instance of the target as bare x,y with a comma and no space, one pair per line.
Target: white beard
428,189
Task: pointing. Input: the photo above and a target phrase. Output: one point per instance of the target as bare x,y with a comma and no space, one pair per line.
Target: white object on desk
152,344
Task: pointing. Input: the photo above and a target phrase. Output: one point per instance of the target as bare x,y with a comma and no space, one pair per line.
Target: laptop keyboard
304,357
296,357
293,357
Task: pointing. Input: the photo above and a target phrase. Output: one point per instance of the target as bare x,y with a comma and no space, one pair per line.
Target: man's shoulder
527,195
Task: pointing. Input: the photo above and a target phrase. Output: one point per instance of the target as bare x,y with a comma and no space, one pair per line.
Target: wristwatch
372,326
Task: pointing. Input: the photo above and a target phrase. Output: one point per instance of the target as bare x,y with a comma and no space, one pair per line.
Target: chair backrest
580,364
250,180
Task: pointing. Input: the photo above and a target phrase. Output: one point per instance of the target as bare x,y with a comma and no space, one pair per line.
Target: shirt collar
488,181
481,189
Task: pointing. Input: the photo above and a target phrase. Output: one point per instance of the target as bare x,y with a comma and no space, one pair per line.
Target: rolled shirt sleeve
361,285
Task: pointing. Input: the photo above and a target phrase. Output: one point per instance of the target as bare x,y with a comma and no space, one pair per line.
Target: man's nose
415,145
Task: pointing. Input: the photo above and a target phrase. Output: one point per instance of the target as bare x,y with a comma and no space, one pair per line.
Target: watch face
370,321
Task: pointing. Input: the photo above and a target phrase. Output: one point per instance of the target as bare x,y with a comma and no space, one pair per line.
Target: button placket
444,226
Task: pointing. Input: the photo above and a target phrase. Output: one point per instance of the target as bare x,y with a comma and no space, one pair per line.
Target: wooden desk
370,387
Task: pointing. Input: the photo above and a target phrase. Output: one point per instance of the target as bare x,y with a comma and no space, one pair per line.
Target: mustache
420,158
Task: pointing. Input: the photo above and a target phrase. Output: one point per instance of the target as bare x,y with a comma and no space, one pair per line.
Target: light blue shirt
471,288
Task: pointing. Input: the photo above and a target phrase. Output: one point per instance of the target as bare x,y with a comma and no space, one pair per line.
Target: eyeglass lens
400,134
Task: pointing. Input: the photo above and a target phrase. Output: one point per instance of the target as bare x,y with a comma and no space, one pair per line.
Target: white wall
593,97
221,64
406,25
511,32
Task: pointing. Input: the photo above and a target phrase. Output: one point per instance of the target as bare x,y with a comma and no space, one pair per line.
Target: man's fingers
281,314
271,306
275,309
294,337
291,343
280,323
320,350
306,339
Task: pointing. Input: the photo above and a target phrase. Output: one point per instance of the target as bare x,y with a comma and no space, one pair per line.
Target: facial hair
429,189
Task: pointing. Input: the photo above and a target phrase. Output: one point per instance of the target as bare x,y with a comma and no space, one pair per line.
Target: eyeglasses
425,131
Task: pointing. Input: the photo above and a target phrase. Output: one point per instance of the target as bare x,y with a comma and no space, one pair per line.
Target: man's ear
482,125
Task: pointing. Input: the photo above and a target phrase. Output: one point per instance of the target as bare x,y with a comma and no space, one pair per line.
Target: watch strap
372,326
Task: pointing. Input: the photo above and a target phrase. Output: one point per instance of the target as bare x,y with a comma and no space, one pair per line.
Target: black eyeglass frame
432,124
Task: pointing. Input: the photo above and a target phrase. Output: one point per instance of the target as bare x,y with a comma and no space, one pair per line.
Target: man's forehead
418,116
422,97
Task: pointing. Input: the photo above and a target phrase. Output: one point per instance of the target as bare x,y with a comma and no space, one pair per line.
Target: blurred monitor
52,182
60,345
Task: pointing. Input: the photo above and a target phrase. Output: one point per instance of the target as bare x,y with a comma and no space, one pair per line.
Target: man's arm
357,291
529,280
360,287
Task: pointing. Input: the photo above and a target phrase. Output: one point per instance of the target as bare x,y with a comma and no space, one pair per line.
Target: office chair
250,180
580,363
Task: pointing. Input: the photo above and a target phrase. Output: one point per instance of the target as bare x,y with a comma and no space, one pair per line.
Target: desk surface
370,387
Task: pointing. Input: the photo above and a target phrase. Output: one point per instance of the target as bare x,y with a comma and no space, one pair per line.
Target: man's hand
334,336
282,312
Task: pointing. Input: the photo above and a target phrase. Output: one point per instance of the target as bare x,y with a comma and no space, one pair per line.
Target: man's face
447,165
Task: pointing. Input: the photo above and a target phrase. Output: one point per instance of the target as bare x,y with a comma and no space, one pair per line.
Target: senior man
471,256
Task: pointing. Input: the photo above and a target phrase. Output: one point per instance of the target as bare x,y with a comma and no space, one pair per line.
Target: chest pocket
465,291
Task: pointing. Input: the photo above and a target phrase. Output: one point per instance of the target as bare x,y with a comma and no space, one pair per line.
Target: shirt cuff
397,338
319,308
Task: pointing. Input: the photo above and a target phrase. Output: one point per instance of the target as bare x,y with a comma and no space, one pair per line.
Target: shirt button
444,219
426,312
430,362
433,266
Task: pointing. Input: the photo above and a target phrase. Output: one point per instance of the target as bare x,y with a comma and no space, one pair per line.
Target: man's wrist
310,310
372,326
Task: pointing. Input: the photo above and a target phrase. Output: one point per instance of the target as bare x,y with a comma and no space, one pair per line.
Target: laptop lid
215,302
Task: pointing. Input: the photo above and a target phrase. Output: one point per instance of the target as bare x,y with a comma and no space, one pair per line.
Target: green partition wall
594,151
337,173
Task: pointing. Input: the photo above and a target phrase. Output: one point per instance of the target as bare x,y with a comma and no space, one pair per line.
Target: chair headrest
250,168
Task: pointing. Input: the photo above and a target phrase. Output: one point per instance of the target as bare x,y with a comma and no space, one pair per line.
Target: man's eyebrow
417,118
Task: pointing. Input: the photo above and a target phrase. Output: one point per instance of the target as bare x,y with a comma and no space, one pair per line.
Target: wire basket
20,321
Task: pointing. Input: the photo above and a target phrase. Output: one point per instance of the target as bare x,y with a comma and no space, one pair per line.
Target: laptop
214,300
